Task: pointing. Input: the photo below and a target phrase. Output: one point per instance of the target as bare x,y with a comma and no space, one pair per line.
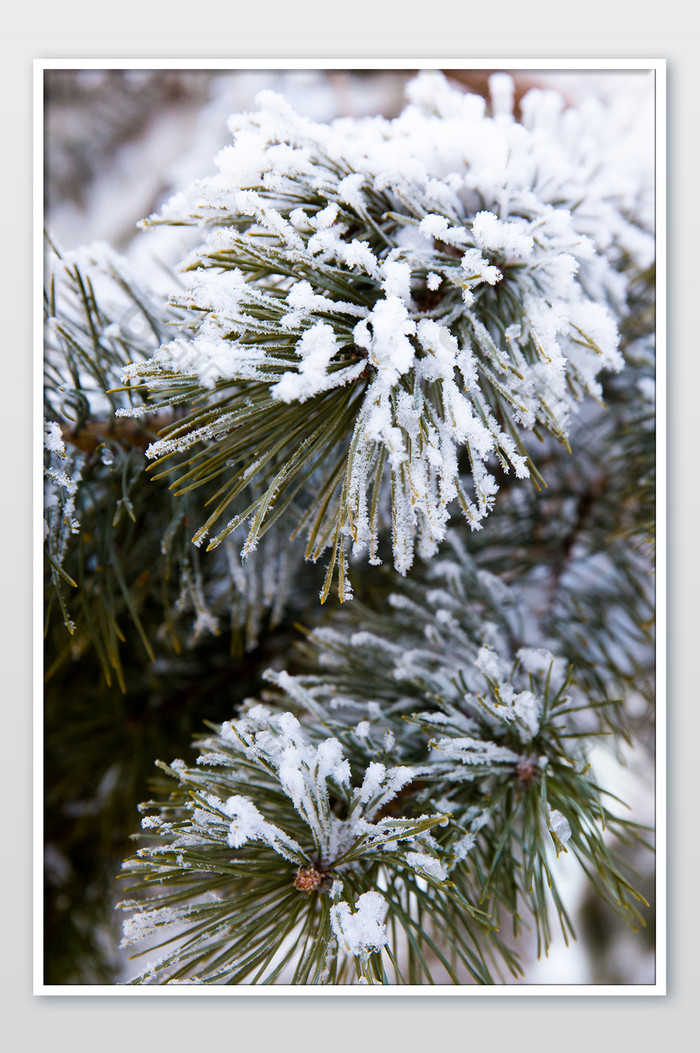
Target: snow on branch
403,299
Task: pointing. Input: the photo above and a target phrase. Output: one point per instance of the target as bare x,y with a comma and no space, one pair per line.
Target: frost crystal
247,823
559,825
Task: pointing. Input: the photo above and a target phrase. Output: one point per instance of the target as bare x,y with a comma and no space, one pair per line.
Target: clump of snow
316,349
53,439
362,930
522,708
247,824
384,334
508,238
426,864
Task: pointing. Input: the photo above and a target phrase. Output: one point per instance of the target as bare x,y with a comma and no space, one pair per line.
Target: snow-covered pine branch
132,575
423,758
385,308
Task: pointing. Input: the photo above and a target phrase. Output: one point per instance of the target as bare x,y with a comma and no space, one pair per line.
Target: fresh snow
361,930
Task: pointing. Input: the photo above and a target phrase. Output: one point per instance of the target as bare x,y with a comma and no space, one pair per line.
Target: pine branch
120,564
365,339
448,760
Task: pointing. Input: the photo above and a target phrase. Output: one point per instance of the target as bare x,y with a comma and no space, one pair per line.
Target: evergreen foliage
426,343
